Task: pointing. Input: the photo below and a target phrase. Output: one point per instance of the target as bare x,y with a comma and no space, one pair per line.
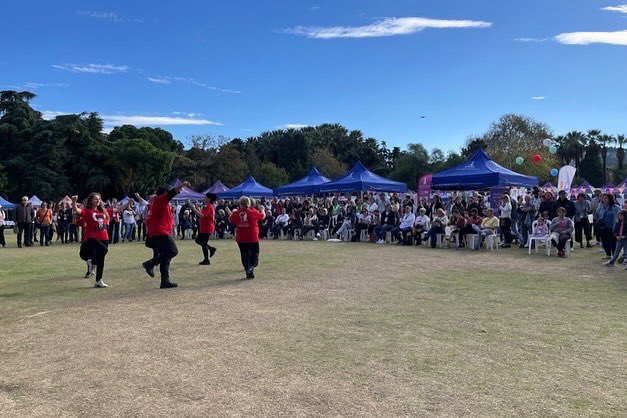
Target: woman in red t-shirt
246,219
96,243
207,218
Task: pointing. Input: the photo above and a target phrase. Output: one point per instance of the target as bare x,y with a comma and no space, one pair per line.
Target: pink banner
424,187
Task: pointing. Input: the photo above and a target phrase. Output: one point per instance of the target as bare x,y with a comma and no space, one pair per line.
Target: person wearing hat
206,217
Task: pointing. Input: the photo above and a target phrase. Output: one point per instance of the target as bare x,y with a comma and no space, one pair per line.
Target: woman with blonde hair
246,220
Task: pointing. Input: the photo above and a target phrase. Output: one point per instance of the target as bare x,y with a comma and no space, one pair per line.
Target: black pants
2,240
250,254
506,229
73,233
608,240
563,240
164,250
203,240
95,250
23,231
582,226
44,235
114,232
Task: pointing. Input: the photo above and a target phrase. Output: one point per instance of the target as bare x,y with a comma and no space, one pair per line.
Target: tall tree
604,142
591,168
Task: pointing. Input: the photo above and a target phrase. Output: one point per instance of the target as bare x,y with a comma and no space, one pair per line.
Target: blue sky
242,67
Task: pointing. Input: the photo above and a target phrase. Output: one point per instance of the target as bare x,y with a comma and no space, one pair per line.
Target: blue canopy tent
187,193
360,179
310,184
6,204
249,187
478,173
35,201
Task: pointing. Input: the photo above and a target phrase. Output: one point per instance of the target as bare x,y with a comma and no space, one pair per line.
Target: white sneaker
318,235
315,239
100,284
380,242
609,264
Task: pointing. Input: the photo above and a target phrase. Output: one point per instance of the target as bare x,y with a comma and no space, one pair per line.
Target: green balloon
520,160
553,149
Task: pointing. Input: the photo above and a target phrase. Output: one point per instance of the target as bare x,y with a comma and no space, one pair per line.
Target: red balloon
536,158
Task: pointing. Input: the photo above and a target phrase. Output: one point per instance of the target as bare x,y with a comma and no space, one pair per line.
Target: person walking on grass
43,219
246,220
96,244
159,223
206,217
3,216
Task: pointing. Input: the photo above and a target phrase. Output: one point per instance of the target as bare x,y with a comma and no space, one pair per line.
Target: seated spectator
324,220
375,222
421,225
310,223
363,223
402,232
295,224
489,226
561,231
389,220
280,224
437,227
456,224
347,224
473,225
266,224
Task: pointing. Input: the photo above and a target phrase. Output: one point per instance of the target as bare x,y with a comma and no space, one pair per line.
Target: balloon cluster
536,158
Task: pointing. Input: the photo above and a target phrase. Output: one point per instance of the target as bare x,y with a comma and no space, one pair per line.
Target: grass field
324,330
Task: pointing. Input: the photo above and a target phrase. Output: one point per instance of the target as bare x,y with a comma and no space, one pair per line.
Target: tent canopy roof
187,193
360,179
217,187
6,204
310,184
480,172
249,187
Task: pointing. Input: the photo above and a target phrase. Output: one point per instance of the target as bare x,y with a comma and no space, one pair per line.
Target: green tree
270,175
620,152
411,165
328,165
228,165
591,168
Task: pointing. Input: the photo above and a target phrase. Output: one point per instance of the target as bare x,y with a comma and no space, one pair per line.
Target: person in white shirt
372,206
128,221
505,209
405,227
280,224
421,224
363,222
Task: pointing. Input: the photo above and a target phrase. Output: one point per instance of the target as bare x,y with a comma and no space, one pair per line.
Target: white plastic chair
546,239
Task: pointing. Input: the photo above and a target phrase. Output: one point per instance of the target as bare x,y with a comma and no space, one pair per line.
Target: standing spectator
128,219
582,223
64,217
620,230
527,216
607,214
3,216
594,205
114,222
505,210
24,222
43,219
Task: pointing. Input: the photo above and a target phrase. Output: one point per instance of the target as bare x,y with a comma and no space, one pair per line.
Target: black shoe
588,245
250,274
150,270
212,251
204,263
19,245
168,285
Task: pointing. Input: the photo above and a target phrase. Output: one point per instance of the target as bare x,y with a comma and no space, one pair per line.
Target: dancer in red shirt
207,217
96,239
159,223
246,219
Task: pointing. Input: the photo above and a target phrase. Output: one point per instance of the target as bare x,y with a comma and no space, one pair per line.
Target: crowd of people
375,217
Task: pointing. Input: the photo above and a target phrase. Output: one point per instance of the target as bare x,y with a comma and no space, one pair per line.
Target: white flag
565,179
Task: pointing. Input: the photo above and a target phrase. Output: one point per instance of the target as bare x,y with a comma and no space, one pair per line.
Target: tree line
71,155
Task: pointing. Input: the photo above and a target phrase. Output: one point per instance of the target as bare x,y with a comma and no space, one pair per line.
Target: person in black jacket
389,220
564,202
24,214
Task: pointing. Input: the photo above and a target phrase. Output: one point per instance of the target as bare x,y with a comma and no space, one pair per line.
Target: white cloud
294,126
139,120
587,38
531,39
538,97
387,27
92,68
194,82
154,120
621,8
34,86
113,17
159,80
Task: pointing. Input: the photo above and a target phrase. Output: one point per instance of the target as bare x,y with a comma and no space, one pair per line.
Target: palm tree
620,152
604,141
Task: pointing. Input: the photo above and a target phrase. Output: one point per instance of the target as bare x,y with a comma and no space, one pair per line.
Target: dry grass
325,330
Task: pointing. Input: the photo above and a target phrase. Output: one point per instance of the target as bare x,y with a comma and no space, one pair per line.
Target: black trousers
114,232
164,250
203,240
95,250
583,226
608,239
249,252
506,229
2,240
23,230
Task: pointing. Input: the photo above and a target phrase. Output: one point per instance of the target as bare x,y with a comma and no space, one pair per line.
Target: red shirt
247,222
159,216
114,216
207,220
95,224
